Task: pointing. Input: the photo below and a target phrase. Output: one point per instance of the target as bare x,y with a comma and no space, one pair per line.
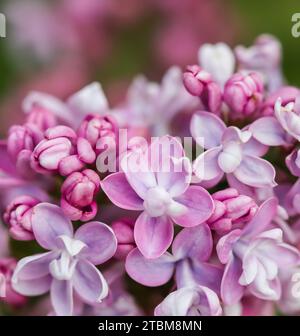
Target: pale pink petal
193,242
89,283
256,172
206,166
207,129
48,223
262,218
61,293
150,272
100,240
199,207
268,131
121,193
153,235
231,290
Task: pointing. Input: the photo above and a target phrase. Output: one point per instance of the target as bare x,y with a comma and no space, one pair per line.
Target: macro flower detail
243,93
230,151
18,217
68,268
200,83
231,210
195,276
217,59
253,257
78,195
61,152
164,196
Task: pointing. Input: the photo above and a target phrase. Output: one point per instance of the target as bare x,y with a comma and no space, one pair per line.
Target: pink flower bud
22,138
243,93
123,230
18,217
7,294
57,145
41,117
199,83
231,209
94,128
78,194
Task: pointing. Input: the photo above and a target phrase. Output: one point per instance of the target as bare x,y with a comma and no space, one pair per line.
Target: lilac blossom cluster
219,229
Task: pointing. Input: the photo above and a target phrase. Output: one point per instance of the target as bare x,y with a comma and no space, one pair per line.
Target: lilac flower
287,94
153,105
61,152
230,151
200,83
243,93
78,195
190,301
98,129
253,257
289,117
196,279
69,265
89,100
191,251
263,56
217,59
119,302
161,190
231,210
20,143
18,217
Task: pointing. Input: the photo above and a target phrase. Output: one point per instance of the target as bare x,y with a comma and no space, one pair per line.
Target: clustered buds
220,227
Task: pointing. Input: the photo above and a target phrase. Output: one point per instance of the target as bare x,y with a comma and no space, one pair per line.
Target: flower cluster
191,183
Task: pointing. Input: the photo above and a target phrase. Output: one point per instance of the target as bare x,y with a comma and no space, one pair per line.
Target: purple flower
190,301
153,105
289,117
199,83
78,195
253,257
230,151
263,56
287,94
269,132
161,189
243,93
191,251
68,267
231,210
18,217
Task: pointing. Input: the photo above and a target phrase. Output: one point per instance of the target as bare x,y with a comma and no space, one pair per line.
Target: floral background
60,46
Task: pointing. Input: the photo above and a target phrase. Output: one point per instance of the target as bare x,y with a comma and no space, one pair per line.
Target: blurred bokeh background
58,46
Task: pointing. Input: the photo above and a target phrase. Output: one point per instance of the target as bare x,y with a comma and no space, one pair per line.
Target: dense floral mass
197,220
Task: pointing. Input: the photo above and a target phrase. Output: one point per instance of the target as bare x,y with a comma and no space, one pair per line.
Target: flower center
157,201
63,268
